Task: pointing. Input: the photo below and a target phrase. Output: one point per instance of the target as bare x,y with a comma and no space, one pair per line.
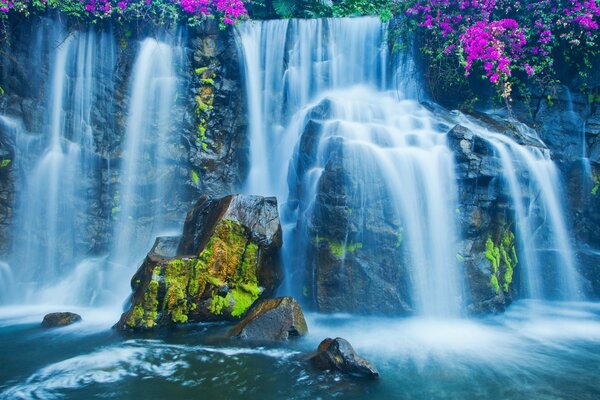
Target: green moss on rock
503,259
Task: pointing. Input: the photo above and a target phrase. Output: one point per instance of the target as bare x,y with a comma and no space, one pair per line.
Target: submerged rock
339,354
226,260
54,320
273,319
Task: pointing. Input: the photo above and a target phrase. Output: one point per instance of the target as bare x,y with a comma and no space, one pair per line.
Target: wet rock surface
227,259
7,188
55,320
338,354
350,257
272,319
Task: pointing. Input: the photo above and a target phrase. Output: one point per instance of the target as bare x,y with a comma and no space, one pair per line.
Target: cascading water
542,230
288,63
369,189
333,73
61,179
57,165
308,115
142,191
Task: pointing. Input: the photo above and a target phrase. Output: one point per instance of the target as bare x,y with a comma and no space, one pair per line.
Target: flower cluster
504,36
229,10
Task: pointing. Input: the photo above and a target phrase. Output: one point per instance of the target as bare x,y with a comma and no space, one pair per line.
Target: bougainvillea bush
505,41
228,11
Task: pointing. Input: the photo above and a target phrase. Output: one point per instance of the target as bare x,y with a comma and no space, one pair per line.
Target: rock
166,246
351,258
54,320
227,259
340,355
273,319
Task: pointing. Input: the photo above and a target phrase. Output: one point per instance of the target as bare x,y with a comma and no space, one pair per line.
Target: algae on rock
234,243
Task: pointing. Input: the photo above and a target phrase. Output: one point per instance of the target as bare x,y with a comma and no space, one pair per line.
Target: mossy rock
226,260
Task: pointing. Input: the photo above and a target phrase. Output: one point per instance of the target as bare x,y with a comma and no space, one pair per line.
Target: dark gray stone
55,320
272,319
338,354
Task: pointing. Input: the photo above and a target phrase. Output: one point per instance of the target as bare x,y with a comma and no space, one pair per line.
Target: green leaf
284,8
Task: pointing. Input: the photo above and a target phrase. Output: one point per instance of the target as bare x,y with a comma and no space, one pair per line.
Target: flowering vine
229,11
502,37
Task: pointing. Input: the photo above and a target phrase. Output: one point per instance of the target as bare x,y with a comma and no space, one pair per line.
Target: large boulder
58,319
226,260
338,354
273,319
350,257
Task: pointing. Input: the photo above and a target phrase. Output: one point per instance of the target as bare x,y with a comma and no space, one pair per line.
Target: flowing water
62,187
334,73
56,164
519,355
540,215
293,68
142,190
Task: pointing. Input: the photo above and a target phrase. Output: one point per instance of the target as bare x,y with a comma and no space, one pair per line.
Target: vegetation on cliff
506,42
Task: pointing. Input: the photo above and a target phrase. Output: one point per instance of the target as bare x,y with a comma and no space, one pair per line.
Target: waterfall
317,89
545,248
287,63
63,251
142,191
355,161
56,165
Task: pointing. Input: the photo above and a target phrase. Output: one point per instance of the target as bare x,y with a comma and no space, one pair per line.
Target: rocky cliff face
7,190
207,123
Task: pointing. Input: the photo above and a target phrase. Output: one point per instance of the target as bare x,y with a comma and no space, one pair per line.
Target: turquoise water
534,351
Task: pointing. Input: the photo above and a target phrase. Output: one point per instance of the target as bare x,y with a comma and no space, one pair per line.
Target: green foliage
243,297
328,8
339,249
218,303
5,163
145,314
492,253
195,178
502,256
596,185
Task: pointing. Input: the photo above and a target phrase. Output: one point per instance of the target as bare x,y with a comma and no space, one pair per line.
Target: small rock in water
54,320
339,354
273,319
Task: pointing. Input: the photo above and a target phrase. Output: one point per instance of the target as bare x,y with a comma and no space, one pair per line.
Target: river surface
535,351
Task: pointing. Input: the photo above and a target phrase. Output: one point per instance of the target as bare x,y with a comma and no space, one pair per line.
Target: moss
243,297
502,256
218,303
229,260
249,264
195,177
339,249
354,246
177,278
145,315
5,163
204,103
494,283
399,237
596,185
509,257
